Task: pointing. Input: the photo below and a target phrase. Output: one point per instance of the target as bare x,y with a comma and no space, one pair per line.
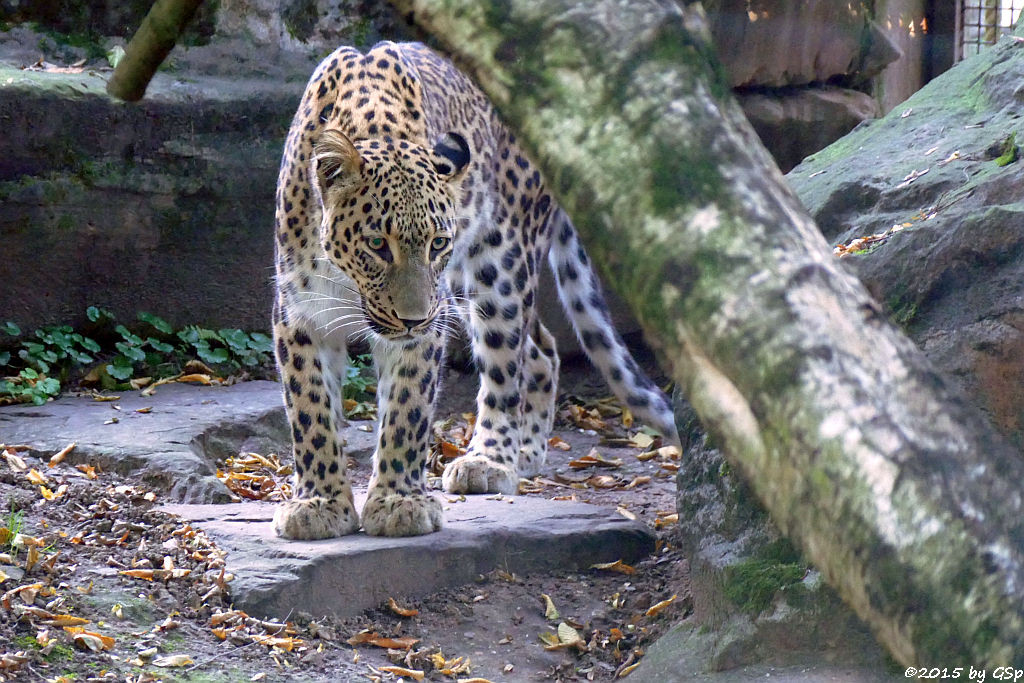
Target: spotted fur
403,206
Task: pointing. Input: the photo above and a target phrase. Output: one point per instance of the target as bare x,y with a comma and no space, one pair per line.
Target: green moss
360,32
89,41
902,312
691,179
300,18
752,584
58,653
1009,150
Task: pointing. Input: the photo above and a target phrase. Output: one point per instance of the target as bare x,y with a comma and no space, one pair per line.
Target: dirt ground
97,585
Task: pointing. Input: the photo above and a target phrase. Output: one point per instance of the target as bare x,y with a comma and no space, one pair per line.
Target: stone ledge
345,576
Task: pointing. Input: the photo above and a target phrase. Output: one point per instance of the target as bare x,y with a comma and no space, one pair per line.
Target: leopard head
389,222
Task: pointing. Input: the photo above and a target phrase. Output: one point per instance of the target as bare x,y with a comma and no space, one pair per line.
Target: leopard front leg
496,325
321,504
538,387
398,503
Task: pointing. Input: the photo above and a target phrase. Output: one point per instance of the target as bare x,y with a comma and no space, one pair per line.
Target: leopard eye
440,243
376,243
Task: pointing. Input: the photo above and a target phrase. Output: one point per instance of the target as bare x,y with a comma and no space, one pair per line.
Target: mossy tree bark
899,492
149,46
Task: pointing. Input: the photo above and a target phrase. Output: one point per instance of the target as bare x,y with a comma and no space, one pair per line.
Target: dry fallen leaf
373,638
663,521
32,559
14,461
53,495
172,661
616,566
594,459
568,635
558,443
628,670
89,470
197,378
550,612
603,481
449,667
59,456
401,611
642,440
146,574
36,477
414,674
89,640
656,609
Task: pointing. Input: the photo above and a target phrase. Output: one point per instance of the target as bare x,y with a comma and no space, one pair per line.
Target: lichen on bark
900,493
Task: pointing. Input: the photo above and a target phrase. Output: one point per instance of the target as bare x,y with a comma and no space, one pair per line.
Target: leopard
406,211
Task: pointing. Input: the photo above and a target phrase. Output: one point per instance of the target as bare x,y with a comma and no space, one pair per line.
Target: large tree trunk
899,492
149,46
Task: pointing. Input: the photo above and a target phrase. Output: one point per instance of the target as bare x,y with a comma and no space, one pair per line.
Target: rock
758,608
173,449
777,43
343,576
118,205
310,25
953,274
793,124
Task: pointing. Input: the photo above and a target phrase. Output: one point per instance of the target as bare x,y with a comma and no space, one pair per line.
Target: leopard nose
410,323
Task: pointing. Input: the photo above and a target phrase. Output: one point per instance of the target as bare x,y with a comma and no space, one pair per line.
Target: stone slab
175,447
345,576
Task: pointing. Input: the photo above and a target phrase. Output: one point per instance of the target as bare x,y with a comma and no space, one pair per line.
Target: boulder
795,123
939,176
117,205
758,608
778,43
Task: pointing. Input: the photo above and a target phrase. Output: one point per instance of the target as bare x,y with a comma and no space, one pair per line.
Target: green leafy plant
360,378
360,388
37,366
12,526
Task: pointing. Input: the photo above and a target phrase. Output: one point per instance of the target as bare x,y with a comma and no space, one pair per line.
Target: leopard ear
451,156
337,163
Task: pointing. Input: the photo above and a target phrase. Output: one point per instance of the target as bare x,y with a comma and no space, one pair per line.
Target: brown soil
97,529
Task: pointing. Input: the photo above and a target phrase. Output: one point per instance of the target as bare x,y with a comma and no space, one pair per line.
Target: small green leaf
127,335
121,368
160,346
90,345
132,352
261,343
10,328
209,355
114,56
5,357
29,373
157,322
189,335
96,314
49,386
79,357
236,339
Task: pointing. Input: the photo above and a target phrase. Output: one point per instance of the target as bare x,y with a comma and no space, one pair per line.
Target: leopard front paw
532,457
395,514
313,518
479,474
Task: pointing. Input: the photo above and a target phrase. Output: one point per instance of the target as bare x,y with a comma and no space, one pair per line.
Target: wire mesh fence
979,23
